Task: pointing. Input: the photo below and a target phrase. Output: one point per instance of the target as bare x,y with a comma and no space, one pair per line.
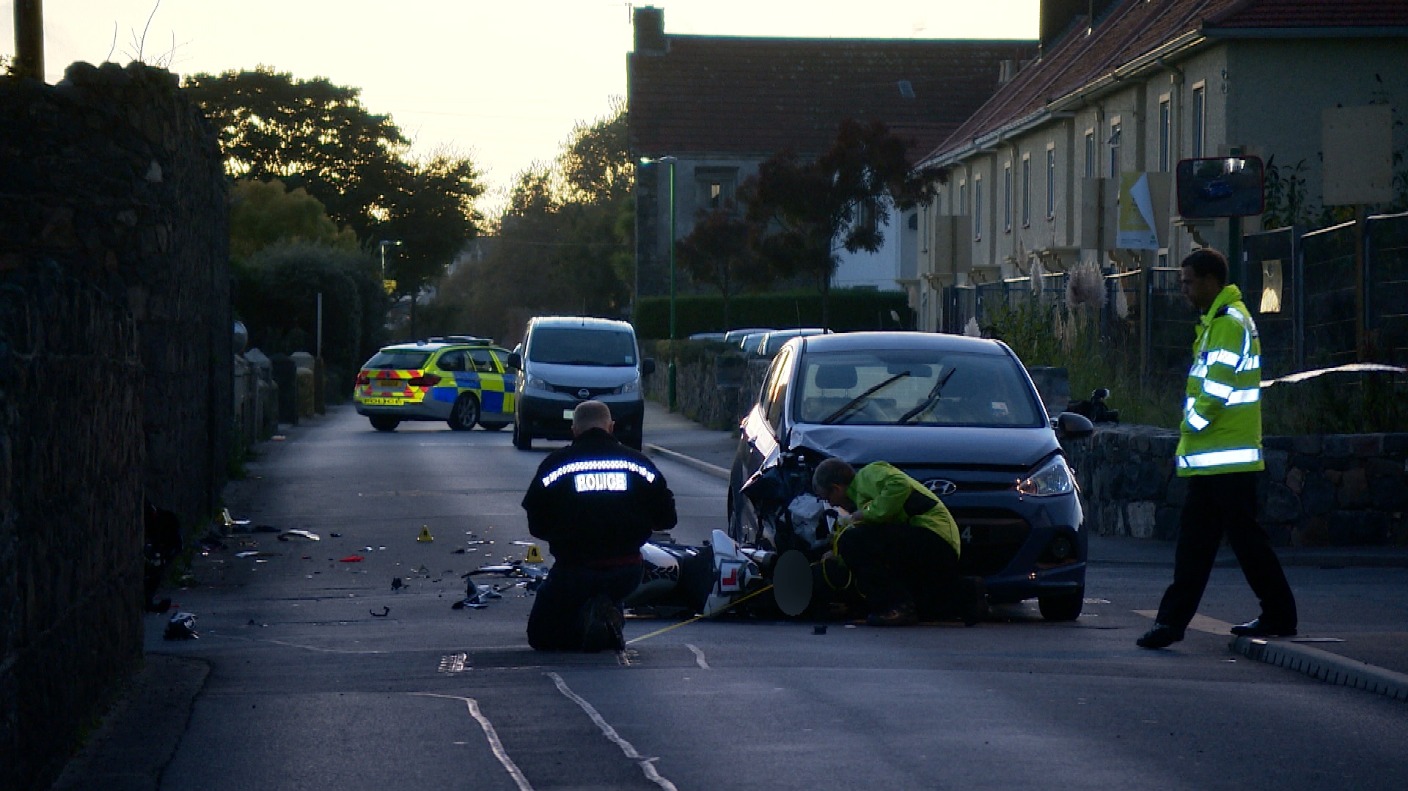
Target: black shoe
1255,628
601,625
973,600
898,616
1160,636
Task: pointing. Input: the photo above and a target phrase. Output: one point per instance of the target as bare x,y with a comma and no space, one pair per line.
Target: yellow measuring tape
699,617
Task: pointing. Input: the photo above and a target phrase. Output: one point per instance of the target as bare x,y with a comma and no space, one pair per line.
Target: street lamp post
385,243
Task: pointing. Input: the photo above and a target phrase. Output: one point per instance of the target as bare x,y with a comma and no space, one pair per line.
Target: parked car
566,360
959,414
736,335
751,343
707,336
773,341
459,379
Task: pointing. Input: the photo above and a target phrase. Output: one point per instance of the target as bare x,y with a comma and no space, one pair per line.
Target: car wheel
492,426
521,438
465,413
384,423
1065,607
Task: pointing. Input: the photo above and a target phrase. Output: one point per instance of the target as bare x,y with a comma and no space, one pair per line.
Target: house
1128,88
707,110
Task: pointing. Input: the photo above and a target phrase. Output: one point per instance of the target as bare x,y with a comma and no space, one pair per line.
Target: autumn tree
718,252
809,211
263,213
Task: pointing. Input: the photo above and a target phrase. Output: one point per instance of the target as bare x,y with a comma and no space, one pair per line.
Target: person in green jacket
1219,452
900,543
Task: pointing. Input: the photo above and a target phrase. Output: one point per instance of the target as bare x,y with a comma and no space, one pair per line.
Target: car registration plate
567,414
383,401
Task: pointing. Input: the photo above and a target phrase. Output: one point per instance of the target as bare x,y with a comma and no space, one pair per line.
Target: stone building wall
115,381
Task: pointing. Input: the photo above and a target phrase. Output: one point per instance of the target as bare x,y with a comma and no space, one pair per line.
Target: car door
496,386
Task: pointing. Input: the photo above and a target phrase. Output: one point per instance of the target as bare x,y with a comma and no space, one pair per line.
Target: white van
566,360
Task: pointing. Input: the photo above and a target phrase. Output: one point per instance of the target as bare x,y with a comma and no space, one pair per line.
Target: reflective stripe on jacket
1221,428
883,493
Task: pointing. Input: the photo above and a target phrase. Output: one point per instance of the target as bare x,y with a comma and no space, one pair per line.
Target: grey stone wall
115,381
1336,490
1333,490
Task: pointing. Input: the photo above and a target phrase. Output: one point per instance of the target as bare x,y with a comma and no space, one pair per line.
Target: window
962,197
1090,153
1115,130
1026,190
977,207
1007,196
1050,182
1165,132
1199,131
716,188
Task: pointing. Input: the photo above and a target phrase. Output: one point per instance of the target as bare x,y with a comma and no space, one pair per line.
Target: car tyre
1065,607
384,423
465,413
521,438
491,426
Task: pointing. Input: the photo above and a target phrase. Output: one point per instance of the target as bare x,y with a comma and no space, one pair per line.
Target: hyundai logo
584,394
941,487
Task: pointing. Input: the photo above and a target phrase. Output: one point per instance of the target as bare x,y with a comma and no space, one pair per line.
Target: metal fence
1300,286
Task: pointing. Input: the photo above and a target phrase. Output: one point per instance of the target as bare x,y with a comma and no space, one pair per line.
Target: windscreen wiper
930,399
854,402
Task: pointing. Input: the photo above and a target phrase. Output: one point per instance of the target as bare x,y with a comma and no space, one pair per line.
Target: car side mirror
514,361
647,366
1070,425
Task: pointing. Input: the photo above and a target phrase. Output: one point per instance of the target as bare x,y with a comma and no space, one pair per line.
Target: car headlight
531,382
630,387
1052,479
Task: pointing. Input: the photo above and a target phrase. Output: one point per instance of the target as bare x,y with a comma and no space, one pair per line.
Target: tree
808,211
265,212
309,134
718,252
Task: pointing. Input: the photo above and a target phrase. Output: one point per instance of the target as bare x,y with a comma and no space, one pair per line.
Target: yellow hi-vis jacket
1221,429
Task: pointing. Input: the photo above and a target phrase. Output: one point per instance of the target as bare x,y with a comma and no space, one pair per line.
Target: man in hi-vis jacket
1219,452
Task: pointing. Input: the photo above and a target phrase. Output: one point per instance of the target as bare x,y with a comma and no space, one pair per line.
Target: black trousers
897,564
1219,505
554,623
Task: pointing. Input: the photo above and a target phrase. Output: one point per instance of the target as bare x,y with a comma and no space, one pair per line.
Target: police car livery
458,379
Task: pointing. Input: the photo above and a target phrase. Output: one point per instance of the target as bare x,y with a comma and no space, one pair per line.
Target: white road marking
647,765
698,656
494,744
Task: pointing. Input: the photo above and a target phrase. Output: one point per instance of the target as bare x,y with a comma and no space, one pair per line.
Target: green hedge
850,310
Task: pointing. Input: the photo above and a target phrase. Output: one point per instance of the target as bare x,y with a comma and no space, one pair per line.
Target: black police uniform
595,502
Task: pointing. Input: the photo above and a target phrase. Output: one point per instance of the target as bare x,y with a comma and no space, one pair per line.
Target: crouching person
901,545
595,502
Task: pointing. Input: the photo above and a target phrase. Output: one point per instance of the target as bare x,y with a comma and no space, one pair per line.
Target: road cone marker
425,534
535,555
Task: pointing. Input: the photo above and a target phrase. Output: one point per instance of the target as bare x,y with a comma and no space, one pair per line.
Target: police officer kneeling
595,502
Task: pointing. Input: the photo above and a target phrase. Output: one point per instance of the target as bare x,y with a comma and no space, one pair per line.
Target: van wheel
521,439
465,413
384,423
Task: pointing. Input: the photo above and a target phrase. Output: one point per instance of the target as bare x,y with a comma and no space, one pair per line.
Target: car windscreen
581,346
403,360
913,387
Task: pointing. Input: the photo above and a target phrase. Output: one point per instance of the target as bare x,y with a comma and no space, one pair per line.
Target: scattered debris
397,584
182,626
299,535
385,611
352,559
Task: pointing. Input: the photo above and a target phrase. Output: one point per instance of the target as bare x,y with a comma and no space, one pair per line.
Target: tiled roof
1134,29
748,97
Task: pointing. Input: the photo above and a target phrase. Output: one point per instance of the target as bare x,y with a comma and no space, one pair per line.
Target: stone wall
1334,490
115,381
1337,490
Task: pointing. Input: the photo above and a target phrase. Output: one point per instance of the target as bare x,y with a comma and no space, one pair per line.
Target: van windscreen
581,346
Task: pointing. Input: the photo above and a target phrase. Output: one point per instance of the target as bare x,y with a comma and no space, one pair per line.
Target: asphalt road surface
323,676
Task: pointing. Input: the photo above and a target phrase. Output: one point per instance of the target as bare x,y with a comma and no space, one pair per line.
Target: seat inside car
831,389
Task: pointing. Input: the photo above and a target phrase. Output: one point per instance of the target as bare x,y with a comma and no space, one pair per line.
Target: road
323,676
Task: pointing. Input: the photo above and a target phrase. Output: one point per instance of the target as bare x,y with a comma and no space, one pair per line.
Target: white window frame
1198,118
1165,132
1092,154
1115,140
1026,190
1051,181
977,208
1007,196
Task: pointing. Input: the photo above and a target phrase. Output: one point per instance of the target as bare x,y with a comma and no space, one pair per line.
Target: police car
459,379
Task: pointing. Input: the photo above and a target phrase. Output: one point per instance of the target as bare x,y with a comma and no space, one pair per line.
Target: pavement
128,755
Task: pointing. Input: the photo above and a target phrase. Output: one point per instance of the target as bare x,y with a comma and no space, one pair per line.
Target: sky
501,83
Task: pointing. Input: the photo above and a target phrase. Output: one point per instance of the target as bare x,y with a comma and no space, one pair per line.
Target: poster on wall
1136,230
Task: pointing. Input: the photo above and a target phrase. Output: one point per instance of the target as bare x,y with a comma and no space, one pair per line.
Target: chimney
650,30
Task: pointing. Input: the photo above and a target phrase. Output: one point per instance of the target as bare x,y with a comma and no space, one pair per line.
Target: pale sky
502,83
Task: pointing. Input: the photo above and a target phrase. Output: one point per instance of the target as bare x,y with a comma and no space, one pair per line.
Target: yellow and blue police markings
494,390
